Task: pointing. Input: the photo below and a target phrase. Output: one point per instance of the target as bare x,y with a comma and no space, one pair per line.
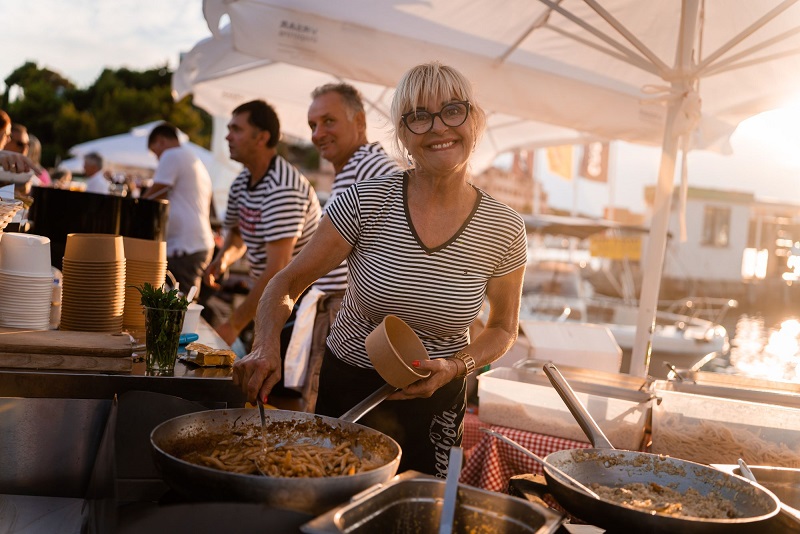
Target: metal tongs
263,423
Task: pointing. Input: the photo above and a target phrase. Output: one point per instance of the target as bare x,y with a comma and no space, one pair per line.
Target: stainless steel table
211,386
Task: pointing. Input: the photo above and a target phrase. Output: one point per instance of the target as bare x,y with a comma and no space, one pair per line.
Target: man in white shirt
182,179
96,181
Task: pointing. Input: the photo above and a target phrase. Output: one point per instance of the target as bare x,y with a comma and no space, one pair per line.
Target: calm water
763,344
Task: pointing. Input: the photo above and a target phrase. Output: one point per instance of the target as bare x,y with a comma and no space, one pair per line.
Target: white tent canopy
220,78
676,74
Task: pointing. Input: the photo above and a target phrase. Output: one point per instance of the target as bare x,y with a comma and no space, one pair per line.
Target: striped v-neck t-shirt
439,291
368,161
283,204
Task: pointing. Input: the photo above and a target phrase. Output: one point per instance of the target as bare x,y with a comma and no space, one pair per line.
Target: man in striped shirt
272,210
338,125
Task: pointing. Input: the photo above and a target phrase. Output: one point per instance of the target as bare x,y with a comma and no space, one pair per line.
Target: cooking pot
610,467
312,495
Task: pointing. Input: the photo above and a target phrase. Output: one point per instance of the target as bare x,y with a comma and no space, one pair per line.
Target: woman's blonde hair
435,80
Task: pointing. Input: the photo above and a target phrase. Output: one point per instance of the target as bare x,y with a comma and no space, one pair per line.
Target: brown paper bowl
145,250
391,348
94,248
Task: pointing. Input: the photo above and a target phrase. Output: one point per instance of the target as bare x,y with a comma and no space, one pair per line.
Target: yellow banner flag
559,161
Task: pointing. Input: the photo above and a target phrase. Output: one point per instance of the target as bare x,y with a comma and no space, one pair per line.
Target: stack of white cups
26,281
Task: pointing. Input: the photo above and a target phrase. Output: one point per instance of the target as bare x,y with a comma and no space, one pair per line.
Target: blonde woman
423,244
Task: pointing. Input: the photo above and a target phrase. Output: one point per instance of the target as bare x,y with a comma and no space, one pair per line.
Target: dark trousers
188,268
424,428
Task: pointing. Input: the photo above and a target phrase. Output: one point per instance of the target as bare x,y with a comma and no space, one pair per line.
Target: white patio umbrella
591,65
220,78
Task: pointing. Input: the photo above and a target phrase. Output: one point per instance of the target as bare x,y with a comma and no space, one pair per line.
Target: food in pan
652,497
304,448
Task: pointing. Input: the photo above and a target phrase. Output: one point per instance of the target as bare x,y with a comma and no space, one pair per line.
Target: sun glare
775,132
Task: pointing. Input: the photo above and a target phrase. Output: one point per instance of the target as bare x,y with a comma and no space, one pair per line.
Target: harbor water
764,344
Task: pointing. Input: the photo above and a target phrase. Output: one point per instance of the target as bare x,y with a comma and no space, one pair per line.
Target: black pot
55,213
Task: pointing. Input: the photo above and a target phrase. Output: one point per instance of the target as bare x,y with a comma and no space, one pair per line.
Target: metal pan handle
362,408
579,412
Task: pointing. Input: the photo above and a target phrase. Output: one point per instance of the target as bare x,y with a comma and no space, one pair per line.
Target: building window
716,226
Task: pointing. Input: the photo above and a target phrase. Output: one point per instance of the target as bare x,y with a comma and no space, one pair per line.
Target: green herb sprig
159,297
163,325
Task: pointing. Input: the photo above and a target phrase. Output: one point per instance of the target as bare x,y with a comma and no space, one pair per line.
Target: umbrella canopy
220,78
678,74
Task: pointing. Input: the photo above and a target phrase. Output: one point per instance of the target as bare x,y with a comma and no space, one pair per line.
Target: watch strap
468,360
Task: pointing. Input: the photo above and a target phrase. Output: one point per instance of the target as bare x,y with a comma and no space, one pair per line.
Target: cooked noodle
708,441
293,450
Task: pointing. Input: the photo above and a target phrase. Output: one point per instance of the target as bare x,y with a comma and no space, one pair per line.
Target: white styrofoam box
517,399
575,344
718,430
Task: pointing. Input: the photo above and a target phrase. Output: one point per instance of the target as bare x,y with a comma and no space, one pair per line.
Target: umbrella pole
656,246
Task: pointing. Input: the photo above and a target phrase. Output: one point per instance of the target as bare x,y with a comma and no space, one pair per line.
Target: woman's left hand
443,371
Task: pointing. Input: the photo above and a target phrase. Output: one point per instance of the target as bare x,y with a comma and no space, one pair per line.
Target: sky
765,162
79,38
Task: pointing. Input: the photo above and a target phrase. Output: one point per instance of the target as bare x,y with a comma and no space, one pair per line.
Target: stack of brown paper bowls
93,294
146,261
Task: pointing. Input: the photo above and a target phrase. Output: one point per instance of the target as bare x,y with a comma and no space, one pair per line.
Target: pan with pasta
309,463
290,448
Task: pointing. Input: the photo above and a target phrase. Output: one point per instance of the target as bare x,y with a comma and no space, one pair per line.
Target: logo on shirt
249,219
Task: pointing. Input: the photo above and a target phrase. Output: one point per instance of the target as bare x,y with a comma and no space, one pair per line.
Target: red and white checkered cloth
489,463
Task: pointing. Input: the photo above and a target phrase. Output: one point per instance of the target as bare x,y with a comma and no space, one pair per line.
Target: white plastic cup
192,319
25,254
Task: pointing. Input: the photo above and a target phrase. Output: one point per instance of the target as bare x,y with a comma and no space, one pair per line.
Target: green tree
61,115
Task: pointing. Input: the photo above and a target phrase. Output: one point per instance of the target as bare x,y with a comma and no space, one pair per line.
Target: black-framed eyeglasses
453,114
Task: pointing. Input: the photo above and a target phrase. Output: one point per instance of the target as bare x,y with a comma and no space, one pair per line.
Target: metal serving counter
210,386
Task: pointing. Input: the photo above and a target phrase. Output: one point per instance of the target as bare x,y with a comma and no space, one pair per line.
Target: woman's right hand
258,372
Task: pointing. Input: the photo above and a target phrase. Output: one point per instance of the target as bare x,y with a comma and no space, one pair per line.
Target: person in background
96,181
19,141
338,125
424,245
11,160
183,180
61,179
272,210
5,129
35,155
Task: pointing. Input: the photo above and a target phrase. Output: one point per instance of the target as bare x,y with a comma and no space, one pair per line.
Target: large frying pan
610,467
311,495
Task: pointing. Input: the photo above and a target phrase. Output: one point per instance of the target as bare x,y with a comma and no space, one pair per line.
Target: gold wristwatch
469,363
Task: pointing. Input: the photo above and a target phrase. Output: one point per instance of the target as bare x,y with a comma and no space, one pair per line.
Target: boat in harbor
686,329
558,287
